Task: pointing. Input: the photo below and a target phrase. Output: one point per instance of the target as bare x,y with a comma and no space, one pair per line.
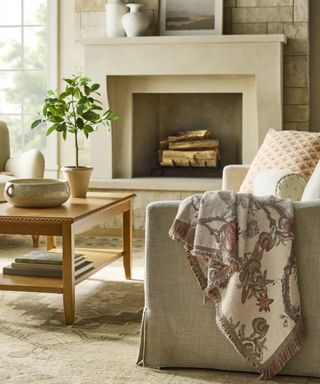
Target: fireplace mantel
247,64
169,40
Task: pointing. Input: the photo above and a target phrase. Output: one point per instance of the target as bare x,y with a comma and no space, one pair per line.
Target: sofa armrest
29,164
161,251
233,176
179,331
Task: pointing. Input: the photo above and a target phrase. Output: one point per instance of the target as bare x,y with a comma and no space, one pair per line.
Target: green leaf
94,87
51,129
97,108
88,128
63,95
80,109
109,115
87,105
87,90
84,80
83,99
80,123
56,119
71,90
52,109
50,99
68,81
64,135
36,123
44,110
77,93
91,116
61,127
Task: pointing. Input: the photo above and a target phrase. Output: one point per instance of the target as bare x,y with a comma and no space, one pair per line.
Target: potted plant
75,110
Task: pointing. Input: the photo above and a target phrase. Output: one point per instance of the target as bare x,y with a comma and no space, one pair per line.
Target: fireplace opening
159,116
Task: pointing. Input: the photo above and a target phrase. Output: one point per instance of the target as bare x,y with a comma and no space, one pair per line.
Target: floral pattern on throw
240,248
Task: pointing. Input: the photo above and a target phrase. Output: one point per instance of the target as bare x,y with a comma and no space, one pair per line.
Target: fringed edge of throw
194,264
183,232
229,332
285,352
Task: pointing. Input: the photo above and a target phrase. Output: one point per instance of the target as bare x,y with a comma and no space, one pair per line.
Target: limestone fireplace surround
250,65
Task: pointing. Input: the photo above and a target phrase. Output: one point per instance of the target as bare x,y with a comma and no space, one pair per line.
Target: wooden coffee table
74,217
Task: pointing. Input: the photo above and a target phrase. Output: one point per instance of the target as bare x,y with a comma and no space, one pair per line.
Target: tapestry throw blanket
240,248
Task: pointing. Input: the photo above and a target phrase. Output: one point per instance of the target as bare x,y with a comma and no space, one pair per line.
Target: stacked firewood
190,149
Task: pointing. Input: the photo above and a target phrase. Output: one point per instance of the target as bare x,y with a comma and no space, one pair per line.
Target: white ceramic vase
135,23
115,10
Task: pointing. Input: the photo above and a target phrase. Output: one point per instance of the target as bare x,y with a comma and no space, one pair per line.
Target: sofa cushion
5,145
312,189
294,151
279,183
29,164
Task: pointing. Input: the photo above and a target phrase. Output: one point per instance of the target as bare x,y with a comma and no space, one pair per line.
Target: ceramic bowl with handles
36,193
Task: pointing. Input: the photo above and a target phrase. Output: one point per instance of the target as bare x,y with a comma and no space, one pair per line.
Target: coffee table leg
68,273
127,240
35,241
51,242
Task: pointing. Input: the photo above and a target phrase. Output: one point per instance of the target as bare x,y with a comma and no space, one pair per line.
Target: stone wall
314,65
290,17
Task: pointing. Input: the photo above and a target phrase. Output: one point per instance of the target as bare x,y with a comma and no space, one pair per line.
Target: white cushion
279,183
29,164
312,189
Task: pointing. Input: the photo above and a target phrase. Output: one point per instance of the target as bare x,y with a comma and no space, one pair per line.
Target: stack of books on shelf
45,264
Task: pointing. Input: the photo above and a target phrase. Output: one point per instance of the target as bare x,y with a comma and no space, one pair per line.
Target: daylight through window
25,27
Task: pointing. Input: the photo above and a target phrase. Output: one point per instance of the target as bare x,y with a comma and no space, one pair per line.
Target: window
27,67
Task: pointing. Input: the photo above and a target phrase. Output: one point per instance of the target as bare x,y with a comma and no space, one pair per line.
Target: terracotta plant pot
78,179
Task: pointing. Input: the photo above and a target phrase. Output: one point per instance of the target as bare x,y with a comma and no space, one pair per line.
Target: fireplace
159,115
152,107
233,82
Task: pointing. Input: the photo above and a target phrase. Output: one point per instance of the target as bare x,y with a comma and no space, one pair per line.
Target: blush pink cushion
294,151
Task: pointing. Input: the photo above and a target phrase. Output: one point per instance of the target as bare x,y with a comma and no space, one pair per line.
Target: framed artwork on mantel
191,17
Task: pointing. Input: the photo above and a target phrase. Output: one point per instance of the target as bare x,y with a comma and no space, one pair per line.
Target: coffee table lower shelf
99,257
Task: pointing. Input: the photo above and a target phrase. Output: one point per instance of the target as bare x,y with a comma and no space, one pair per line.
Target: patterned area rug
102,347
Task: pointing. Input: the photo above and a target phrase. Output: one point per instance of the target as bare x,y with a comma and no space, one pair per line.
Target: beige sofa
178,330
29,164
